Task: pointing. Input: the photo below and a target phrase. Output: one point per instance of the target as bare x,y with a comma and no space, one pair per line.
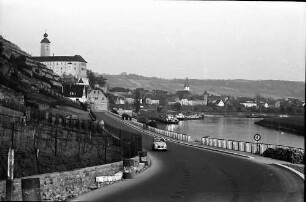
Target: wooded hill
238,87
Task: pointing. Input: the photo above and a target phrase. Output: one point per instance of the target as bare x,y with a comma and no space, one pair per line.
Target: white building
149,101
249,104
97,100
74,65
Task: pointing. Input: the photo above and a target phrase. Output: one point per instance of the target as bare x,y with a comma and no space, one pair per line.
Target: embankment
288,124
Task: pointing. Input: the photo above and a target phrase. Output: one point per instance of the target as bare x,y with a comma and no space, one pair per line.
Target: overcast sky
166,39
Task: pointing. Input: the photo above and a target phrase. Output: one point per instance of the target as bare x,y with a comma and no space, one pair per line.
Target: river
229,128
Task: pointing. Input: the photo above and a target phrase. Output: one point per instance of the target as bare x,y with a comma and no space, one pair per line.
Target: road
185,173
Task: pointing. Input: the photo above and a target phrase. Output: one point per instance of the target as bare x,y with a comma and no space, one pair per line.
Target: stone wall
63,185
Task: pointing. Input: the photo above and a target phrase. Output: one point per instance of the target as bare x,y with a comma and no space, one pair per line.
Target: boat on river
256,116
181,116
169,119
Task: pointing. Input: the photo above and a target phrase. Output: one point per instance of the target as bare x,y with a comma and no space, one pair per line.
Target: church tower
186,86
45,46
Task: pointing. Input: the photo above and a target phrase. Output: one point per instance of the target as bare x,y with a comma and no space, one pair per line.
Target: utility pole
10,168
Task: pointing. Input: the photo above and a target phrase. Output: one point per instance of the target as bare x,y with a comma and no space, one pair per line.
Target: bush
285,154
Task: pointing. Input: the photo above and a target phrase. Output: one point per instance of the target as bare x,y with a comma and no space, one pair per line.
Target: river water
229,128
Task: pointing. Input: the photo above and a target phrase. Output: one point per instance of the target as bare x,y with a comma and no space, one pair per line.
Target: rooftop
76,58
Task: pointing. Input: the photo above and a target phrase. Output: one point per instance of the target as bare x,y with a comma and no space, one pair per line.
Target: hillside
24,81
239,87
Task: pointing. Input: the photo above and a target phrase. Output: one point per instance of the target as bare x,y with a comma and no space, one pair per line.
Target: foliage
285,154
68,79
94,79
137,101
177,106
119,89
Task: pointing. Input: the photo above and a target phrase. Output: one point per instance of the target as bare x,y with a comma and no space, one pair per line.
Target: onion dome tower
45,46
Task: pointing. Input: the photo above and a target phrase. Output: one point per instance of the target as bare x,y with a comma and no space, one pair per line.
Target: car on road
159,144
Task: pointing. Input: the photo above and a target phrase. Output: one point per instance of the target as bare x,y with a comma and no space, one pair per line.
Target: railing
250,147
171,134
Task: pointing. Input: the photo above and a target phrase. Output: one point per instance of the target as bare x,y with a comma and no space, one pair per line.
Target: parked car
159,144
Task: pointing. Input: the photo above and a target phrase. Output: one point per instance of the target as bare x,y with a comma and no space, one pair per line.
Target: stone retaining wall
62,185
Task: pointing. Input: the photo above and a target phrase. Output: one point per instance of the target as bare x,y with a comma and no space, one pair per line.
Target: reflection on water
242,129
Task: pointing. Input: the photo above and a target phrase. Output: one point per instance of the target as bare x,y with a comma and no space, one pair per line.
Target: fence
171,134
59,139
250,147
130,143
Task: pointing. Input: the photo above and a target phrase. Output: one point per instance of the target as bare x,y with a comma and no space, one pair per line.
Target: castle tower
45,46
186,86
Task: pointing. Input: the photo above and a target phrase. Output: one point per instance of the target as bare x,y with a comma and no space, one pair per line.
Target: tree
68,79
137,101
94,79
177,106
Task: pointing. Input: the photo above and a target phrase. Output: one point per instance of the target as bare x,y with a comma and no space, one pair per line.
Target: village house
220,103
76,92
249,104
97,100
150,101
210,97
120,100
129,100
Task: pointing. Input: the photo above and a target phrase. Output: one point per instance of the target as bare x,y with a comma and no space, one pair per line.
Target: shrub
285,154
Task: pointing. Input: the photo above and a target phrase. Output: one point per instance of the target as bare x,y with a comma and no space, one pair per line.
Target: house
196,102
185,101
249,104
97,100
103,88
150,101
120,100
129,100
83,81
210,97
220,103
75,92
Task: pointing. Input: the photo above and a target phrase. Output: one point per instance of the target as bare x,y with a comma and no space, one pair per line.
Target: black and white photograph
152,100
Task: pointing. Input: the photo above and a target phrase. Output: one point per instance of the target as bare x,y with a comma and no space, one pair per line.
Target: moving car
159,144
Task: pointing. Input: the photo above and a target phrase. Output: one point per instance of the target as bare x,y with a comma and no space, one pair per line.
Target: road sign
257,137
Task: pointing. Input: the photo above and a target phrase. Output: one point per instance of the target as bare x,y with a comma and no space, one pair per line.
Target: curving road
189,174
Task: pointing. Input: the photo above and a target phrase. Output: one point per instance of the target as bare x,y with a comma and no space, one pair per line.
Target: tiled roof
76,58
74,90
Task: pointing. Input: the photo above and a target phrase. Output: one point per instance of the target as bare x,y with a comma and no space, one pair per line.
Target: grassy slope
239,88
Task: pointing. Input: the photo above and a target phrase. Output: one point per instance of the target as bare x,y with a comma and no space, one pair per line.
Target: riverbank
294,125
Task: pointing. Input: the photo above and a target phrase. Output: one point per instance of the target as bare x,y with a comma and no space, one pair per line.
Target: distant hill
238,87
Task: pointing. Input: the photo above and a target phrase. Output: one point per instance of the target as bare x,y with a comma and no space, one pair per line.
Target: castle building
74,65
